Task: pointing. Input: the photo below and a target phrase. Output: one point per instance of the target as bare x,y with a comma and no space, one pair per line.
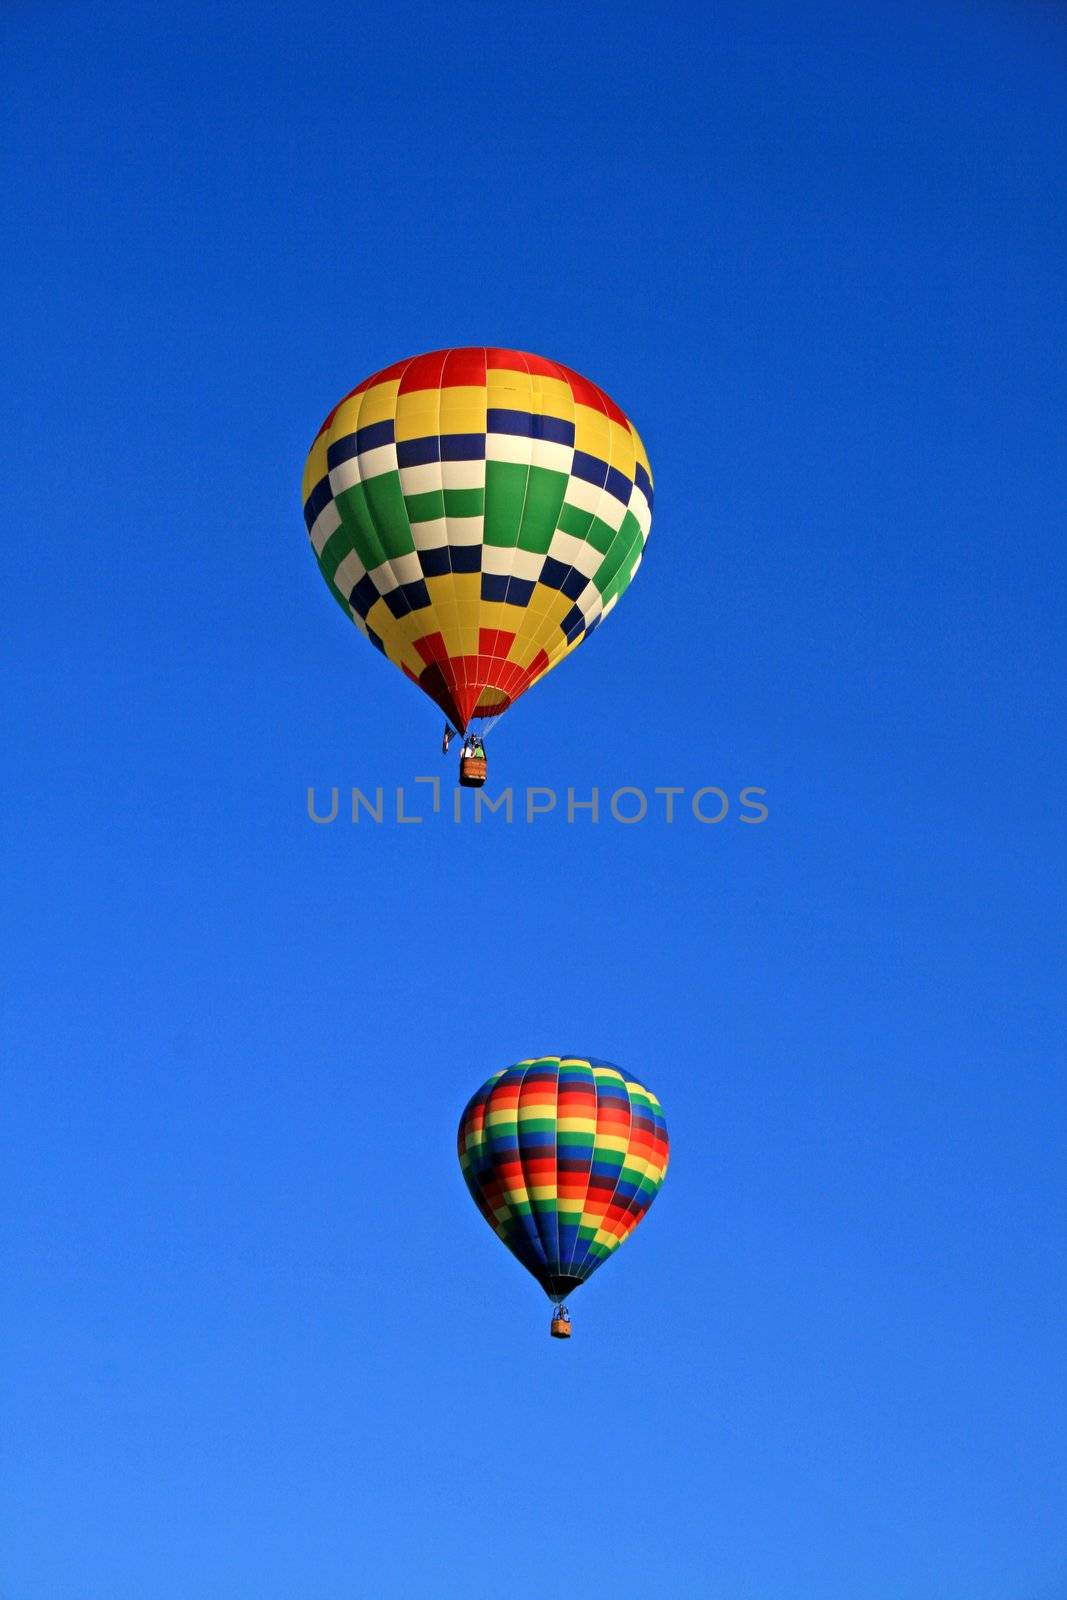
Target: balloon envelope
477,513
563,1156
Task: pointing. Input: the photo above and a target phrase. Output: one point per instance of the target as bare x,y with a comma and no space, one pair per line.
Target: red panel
423,372
464,366
523,361
431,648
494,641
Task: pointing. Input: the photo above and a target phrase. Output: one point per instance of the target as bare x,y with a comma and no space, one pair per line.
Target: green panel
337,546
622,576
425,507
617,560
385,501
464,502
602,535
544,501
356,519
505,492
575,521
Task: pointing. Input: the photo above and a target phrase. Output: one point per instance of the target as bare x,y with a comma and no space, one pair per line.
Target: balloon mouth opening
558,1287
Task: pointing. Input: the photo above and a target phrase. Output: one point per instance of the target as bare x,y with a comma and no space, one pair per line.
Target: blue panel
618,485
417,452
363,596
342,449
434,562
573,624
526,425
466,557
375,434
319,497
554,573
398,602
463,447
643,482
589,468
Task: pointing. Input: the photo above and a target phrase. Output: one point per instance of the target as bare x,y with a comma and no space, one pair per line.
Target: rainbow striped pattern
563,1155
477,513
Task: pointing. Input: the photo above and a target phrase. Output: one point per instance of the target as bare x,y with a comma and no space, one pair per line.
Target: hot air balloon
477,513
563,1156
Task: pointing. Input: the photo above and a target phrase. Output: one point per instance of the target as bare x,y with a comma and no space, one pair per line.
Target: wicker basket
471,771
561,1328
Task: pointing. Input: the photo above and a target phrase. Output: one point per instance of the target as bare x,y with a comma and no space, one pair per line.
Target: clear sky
256,1342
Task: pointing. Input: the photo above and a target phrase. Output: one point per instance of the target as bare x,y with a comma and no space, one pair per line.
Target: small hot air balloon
563,1155
477,513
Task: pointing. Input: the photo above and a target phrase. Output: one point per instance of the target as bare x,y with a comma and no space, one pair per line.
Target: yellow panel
524,648
622,449
511,390
345,418
556,398
440,591
416,414
498,614
463,409
373,405
642,455
315,466
592,432
543,396
467,587
547,609
388,629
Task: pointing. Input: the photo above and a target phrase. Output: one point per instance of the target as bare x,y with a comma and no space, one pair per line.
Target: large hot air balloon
563,1155
477,513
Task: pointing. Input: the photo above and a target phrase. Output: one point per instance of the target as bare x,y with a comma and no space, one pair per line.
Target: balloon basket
560,1326
472,772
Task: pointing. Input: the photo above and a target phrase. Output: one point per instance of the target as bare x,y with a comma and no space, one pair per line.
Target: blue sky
256,1341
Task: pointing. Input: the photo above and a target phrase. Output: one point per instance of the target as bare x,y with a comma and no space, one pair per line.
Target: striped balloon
477,513
563,1155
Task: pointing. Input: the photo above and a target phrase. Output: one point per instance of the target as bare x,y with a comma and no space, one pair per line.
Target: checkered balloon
477,513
